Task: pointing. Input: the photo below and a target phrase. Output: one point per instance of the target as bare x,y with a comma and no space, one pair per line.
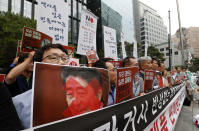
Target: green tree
195,65
11,29
154,52
128,48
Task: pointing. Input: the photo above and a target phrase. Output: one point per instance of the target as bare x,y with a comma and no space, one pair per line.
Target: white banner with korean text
87,32
52,19
110,44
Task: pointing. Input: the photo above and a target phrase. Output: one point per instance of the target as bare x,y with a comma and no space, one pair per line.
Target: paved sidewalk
185,119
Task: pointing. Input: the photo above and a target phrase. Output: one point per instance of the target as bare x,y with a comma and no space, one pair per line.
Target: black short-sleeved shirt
9,120
20,86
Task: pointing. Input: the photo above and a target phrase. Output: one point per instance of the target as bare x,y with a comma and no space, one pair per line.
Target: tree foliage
154,52
11,29
129,48
195,65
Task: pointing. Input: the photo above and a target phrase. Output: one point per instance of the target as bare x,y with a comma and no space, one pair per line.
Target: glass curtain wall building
117,14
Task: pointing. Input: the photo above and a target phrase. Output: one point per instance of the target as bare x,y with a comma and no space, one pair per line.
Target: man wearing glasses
51,53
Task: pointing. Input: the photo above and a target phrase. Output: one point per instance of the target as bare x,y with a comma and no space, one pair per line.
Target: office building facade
150,27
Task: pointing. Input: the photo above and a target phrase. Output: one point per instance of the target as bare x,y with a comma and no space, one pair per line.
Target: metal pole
180,28
9,6
169,42
33,10
22,8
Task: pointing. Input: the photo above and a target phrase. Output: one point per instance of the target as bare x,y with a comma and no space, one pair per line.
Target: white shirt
22,104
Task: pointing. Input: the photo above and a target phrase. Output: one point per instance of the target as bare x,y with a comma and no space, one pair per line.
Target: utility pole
180,28
169,42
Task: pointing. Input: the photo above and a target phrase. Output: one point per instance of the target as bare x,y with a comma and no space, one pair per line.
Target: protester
51,53
15,62
106,64
179,76
130,61
19,78
138,82
154,63
83,90
144,64
9,120
165,78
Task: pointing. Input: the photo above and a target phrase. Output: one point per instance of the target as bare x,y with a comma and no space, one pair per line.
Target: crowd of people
16,93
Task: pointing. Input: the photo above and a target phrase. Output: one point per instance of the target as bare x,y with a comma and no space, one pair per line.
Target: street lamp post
180,28
169,42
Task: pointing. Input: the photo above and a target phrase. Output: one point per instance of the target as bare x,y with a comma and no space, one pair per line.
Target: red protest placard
70,51
149,76
18,48
125,77
2,77
61,92
117,64
32,40
91,56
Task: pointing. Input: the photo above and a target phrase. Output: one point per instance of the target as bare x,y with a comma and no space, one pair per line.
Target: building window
27,8
16,5
4,5
167,54
167,48
176,52
142,38
162,49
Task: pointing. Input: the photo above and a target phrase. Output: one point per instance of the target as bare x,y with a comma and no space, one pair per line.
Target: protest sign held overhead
125,81
149,76
62,91
70,51
92,56
87,32
73,62
110,44
52,19
18,48
33,40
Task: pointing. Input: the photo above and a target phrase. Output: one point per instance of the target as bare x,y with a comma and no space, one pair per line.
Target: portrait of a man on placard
83,90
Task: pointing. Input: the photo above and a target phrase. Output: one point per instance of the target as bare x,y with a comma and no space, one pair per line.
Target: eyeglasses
56,58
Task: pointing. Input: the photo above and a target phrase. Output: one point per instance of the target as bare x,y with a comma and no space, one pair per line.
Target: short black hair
154,59
40,52
127,60
84,73
101,63
160,62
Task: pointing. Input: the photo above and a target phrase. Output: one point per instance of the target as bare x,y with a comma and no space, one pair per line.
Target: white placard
87,32
123,46
110,44
52,19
